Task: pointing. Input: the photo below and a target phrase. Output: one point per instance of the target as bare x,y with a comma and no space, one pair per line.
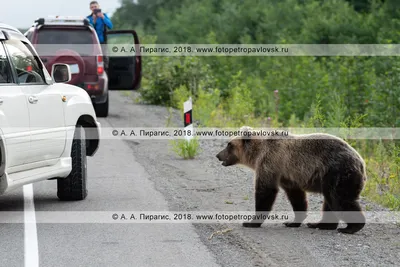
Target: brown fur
318,163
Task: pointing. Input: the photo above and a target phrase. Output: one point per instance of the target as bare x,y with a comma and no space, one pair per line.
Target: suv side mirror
61,73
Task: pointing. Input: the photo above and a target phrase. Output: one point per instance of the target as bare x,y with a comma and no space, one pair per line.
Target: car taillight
92,86
100,65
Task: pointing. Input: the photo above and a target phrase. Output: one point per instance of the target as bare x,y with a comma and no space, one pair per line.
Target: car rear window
79,40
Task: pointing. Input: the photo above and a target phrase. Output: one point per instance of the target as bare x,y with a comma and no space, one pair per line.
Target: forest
292,91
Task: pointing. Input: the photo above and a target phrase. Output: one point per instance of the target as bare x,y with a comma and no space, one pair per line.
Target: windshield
79,40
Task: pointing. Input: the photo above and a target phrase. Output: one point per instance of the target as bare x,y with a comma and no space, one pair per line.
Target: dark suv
73,41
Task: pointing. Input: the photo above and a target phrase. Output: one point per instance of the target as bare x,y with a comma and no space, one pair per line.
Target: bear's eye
230,145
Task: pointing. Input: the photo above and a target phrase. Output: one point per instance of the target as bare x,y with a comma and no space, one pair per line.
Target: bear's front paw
251,224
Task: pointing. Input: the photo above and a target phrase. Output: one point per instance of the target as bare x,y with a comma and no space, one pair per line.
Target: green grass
187,149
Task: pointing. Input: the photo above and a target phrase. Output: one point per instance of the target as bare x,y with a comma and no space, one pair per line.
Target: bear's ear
245,128
246,133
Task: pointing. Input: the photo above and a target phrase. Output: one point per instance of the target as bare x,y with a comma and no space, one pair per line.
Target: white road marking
30,234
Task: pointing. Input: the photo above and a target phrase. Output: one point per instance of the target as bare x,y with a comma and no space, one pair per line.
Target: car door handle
1,101
33,99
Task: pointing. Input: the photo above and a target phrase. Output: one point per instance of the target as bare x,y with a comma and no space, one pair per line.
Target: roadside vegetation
187,149
279,91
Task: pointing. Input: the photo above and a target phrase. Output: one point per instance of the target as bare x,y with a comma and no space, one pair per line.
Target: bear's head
236,151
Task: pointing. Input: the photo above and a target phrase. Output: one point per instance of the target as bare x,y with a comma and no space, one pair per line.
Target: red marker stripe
187,117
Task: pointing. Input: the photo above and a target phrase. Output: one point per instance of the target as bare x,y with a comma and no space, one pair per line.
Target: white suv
47,128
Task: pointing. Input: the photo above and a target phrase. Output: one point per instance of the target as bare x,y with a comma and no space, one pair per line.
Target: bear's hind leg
345,200
329,221
352,215
298,200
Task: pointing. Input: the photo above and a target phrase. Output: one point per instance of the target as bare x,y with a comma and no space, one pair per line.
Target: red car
73,41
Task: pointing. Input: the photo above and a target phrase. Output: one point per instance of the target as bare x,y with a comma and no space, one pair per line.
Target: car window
26,66
5,69
79,40
64,36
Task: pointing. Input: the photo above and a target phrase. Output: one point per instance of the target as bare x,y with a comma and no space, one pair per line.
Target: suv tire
102,109
73,187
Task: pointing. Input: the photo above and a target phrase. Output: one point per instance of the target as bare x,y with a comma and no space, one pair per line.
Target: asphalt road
116,183
135,175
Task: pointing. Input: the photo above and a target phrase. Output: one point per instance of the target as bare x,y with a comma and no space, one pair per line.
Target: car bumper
99,99
98,91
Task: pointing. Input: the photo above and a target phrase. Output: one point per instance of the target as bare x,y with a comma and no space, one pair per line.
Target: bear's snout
221,156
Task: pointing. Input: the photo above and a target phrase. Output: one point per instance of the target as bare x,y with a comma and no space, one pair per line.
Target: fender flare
3,157
92,136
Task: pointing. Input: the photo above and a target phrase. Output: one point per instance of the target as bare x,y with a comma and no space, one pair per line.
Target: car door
14,116
45,105
124,69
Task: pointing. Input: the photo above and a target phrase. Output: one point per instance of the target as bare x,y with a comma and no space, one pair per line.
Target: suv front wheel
73,187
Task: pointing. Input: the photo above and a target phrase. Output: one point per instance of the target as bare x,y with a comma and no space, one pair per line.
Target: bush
281,91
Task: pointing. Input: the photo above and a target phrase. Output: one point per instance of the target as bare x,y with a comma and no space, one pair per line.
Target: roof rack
63,20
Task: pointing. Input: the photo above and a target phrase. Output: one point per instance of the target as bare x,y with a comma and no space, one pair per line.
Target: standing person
100,22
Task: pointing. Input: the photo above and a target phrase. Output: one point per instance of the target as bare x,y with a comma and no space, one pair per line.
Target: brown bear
317,163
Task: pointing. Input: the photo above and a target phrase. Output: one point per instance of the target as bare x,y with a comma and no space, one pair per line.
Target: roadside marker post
187,119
